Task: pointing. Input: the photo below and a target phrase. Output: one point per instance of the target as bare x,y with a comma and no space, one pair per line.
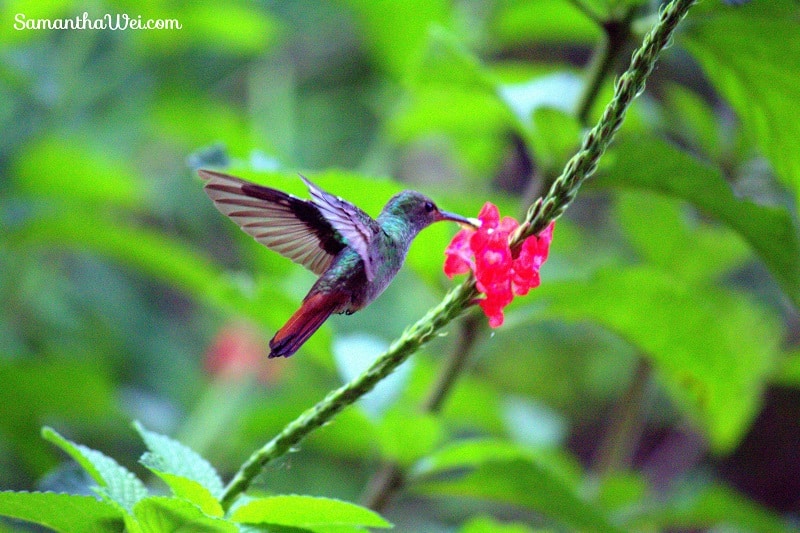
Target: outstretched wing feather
350,221
291,226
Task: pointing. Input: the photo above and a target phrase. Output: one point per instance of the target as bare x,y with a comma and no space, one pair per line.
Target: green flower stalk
539,216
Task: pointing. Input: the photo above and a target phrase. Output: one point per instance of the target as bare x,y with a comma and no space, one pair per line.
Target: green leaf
188,474
648,163
62,512
555,137
789,372
714,506
157,255
519,22
395,31
115,482
158,514
474,403
474,453
693,336
306,512
485,524
747,55
621,491
451,92
75,172
187,489
219,28
405,435
693,119
523,483
667,237
46,387
170,456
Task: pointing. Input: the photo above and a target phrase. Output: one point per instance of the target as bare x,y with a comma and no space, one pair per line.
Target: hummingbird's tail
315,310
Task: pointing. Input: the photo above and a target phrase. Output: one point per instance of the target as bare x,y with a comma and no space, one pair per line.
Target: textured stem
617,33
541,213
584,163
389,478
453,304
625,425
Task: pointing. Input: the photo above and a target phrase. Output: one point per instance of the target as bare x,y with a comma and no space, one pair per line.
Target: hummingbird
354,255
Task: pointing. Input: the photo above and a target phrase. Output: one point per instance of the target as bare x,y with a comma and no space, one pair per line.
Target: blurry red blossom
486,252
238,352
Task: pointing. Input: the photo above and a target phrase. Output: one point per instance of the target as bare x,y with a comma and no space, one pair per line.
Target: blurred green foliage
632,391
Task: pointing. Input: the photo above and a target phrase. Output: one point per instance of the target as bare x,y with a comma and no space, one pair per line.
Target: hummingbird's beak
473,222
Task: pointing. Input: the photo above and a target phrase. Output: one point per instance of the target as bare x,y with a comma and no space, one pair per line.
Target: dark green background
671,294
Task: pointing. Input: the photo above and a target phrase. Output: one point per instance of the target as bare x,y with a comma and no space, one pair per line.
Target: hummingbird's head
419,211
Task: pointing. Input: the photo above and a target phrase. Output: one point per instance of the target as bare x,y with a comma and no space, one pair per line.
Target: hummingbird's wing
357,227
291,226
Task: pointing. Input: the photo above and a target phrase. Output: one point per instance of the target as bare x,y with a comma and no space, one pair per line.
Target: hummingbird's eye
429,207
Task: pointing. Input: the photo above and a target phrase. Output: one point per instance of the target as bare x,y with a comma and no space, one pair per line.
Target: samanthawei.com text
120,21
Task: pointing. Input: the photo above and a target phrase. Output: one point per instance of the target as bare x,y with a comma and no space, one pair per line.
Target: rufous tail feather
306,320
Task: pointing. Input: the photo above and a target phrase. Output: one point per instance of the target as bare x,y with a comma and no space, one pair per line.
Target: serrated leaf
172,457
652,164
306,512
523,483
187,489
158,514
692,335
750,56
62,512
115,482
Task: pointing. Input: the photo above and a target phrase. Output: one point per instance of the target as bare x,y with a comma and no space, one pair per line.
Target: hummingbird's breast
347,275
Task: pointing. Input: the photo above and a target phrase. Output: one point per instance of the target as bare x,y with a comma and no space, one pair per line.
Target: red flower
237,352
486,252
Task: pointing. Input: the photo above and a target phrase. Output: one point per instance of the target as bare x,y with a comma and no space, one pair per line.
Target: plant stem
583,164
617,32
383,484
625,426
389,478
455,364
540,214
452,305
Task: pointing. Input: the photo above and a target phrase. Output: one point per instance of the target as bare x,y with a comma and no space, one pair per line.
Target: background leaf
742,53
306,512
68,513
157,513
523,483
115,482
175,458
770,231
706,365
